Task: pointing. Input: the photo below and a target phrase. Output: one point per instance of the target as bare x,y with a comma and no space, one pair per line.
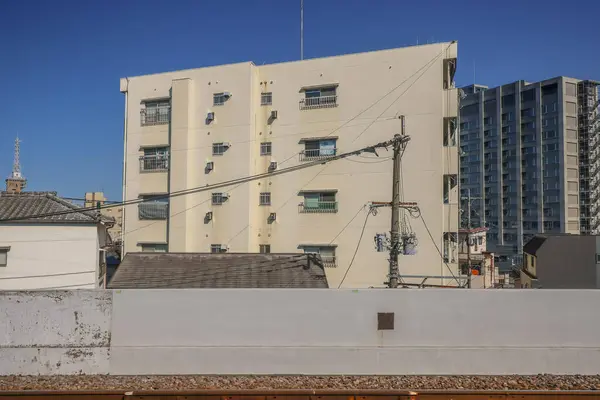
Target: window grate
218,248
219,198
219,99
265,199
264,248
266,98
265,148
155,113
219,149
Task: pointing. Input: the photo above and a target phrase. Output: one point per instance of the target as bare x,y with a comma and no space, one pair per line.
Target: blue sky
60,61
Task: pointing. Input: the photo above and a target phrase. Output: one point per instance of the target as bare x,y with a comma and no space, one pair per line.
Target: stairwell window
264,248
327,254
218,248
319,202
315,149
153,207
155,112
319,97
155,159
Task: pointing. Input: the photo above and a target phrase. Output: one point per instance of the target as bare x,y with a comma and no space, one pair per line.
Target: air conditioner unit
273,166
210,116
273,114
208,216
210,166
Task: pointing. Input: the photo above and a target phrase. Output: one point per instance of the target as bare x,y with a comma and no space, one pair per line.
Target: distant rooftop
20,205
224,270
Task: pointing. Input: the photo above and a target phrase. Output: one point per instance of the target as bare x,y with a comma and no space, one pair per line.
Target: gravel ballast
131,383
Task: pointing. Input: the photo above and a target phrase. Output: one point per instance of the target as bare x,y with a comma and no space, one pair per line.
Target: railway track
299,395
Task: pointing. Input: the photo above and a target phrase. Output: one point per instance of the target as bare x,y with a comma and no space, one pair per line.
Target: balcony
154,163
155,116
329,261
317,154
310,103
153,210
320,207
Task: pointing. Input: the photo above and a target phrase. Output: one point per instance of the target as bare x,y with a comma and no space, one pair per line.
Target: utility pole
395,231
399,144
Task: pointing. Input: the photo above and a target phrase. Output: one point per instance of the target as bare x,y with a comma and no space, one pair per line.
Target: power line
209,187
426,66
46,276
356,250
438,250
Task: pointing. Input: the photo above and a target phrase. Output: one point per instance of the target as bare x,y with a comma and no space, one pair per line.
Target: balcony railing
309,103
317,154
153,210
155,116
154,163
321,207
329,261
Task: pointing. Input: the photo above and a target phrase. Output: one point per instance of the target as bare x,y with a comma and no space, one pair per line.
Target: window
266,98
219,149
265,199
449,185
327,254
488,121
528,95
218,248
154,247
264,248
219,198
317,149
155,159
219,99
4,256
528,125
507,117
529,112
549,134
265,148
153,207
155,112
319,202
324,97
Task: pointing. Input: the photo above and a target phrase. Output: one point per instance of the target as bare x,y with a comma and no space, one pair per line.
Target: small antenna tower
16,171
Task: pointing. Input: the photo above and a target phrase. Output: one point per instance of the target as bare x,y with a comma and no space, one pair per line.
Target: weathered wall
56,332
226,331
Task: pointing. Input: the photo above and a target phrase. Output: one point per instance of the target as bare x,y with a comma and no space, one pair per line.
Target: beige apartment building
199,127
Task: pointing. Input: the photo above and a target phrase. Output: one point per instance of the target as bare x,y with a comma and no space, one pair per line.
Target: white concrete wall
335,332
50,256
302,332
54,332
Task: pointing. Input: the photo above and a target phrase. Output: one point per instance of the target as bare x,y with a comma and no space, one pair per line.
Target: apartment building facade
193,128
520,162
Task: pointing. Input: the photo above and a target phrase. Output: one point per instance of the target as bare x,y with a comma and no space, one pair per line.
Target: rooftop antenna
15,182
16,171
301,29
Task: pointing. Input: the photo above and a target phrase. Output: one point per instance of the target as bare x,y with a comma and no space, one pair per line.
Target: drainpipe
124,169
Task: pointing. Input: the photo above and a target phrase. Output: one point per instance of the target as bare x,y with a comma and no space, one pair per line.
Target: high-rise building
526,166
199,127
95,199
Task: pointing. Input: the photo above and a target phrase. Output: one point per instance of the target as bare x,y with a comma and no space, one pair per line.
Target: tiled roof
225,270
19,205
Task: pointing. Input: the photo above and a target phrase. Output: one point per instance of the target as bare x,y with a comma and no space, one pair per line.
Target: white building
62,251
192,128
